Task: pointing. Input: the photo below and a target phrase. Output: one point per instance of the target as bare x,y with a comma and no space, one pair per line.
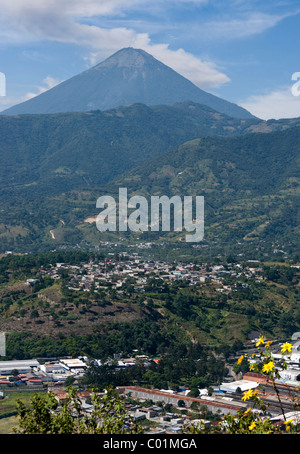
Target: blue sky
243,51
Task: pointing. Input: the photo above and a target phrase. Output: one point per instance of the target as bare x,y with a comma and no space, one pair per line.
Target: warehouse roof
18,364
244,385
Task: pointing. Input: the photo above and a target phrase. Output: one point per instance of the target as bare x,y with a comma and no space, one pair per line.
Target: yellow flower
251,367
268,344
286,347
240,359
268,367
252,426
260,341
247,394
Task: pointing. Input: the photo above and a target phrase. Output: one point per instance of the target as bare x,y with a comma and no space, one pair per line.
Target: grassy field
6,425
9,405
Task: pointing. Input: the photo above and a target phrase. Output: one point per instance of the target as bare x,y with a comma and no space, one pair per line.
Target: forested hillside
54,167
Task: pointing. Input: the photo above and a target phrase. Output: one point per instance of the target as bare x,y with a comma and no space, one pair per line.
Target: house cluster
149,405
154,418
40,373
157,420
45,372
117,273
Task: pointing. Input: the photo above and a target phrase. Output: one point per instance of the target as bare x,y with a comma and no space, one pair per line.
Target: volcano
127,77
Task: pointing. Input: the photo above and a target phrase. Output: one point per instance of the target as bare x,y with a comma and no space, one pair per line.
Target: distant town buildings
115,273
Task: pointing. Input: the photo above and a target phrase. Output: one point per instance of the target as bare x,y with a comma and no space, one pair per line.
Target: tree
34,314
69,381
45,416
252,421
194,392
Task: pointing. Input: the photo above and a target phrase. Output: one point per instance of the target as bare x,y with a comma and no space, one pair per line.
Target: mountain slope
127,77
54,167
59,152
51,153
250,183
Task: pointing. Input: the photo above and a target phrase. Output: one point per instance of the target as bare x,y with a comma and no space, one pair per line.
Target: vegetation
193,331
195,366
249,179
255,419
247,172
108,416
38,319
128,76
250,191
51,154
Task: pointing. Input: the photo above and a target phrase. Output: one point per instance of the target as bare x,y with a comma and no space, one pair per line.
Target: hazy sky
243,51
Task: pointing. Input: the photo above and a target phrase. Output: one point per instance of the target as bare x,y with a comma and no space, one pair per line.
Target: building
22,366
73,365
53,368
290,376
213,404
292,415
243,385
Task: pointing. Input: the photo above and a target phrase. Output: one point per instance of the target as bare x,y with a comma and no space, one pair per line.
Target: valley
182,310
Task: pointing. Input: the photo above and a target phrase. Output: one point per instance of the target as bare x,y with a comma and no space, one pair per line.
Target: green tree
250,421
69,381
194,392
44,416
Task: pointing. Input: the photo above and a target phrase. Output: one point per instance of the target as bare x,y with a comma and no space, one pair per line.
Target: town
128,277
114,273
160,410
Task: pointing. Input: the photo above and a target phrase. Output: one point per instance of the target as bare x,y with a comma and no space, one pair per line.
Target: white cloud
78,8
58,20
202,73
274,105
205,74
248,24
46,84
